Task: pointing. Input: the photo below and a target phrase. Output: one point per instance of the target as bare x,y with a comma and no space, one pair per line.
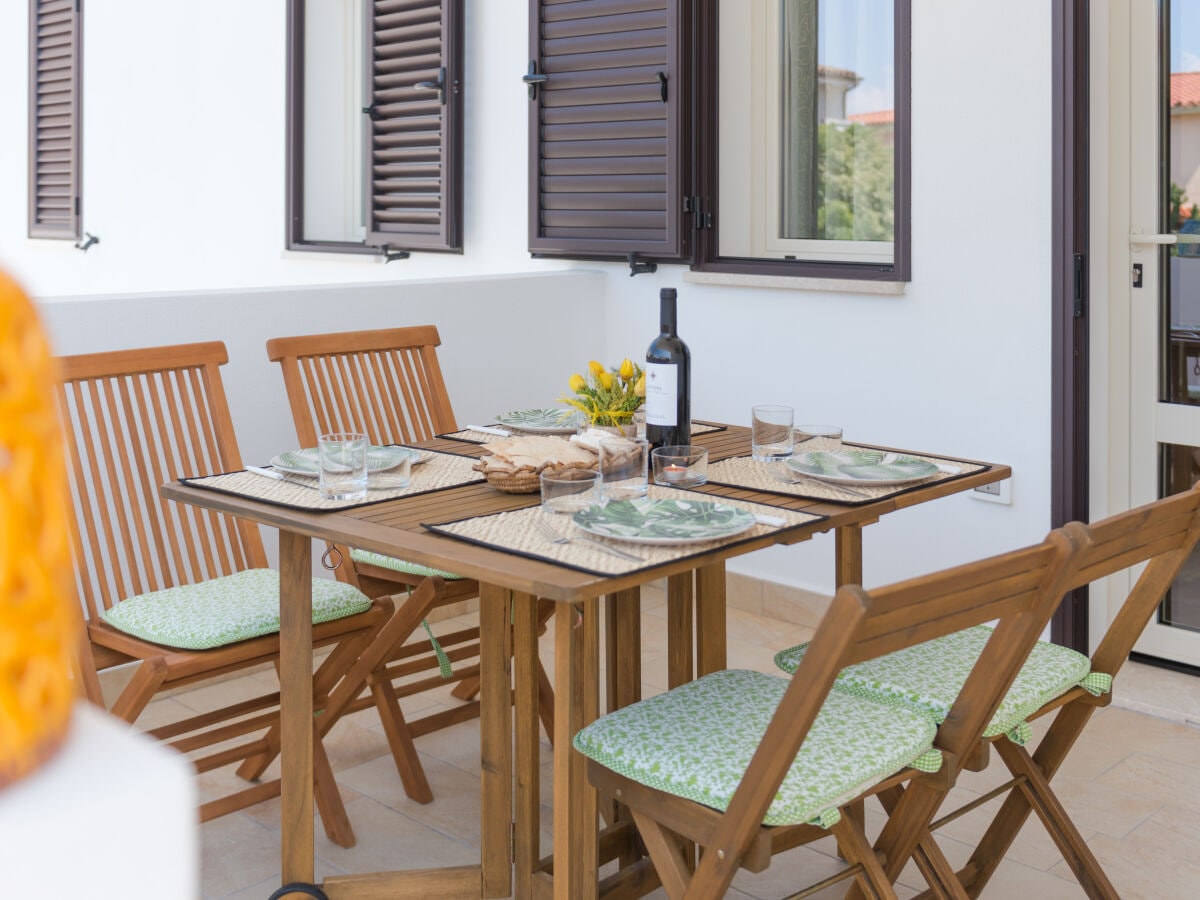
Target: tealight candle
674,473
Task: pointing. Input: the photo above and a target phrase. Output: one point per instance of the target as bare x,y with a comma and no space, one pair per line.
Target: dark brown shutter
414,134
604,146
54,118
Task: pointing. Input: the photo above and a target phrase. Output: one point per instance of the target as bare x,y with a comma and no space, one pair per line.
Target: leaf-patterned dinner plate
869,467
541,421
648,521
379,459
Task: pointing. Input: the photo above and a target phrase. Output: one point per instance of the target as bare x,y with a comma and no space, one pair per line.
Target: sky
1185,35
857,35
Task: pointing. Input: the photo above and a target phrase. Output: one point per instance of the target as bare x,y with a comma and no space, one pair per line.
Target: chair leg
399,738
665,853
937,871
872,880
146,681
328,798
467,689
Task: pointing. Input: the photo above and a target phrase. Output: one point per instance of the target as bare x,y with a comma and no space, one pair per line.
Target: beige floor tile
236,852
1153,779
1152,863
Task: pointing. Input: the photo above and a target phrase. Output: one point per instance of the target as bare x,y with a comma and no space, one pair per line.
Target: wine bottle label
662,386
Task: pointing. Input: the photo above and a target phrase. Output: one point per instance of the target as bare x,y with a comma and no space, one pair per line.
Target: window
55,29
375,125
778,146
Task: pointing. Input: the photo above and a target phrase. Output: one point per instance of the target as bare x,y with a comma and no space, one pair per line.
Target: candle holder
678,466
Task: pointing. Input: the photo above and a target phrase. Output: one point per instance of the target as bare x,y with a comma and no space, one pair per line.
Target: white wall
184,184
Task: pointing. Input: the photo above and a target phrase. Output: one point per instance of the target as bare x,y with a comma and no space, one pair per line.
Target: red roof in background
1185,88
888,116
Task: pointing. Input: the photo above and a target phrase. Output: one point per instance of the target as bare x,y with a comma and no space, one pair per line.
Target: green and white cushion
696,741
225,610
929,676
399,565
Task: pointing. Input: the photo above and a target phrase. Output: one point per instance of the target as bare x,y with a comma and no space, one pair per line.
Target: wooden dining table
510,585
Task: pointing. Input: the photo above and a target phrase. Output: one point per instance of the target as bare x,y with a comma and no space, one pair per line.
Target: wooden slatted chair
186,593
746,764
1053,680
387,383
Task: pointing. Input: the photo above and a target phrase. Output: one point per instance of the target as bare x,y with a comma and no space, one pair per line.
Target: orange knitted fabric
38,622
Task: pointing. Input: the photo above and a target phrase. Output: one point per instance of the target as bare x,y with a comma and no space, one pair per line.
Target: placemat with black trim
744,472
514,532
439,472
471,436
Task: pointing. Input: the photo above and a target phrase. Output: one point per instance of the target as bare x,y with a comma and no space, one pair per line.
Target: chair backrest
1019,590
385,383
135,419
1163,534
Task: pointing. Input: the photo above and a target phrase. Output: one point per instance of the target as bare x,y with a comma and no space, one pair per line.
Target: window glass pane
807,129
333,126
1181,607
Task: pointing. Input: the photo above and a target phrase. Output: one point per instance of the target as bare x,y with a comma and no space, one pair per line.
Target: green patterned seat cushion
929,676
696,741
399,565
225,610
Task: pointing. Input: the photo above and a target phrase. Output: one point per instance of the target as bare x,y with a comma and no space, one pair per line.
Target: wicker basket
523,482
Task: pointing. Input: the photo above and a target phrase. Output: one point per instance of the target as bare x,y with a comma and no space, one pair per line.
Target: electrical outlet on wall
996,492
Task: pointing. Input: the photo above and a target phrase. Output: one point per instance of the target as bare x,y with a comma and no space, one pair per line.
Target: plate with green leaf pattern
541,421
648,521
379,459
870,467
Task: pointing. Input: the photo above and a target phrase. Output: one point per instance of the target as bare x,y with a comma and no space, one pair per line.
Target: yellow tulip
576,383
605,379
640,387
626,369
595,368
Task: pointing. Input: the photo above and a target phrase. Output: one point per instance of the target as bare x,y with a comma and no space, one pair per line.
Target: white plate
379,459
861,467
665,522
562,420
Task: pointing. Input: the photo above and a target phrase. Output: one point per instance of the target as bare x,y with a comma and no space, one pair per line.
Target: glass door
1164,285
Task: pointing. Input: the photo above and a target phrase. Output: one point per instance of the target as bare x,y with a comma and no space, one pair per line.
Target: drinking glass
569,490
398,476
679,466
771,432
819,437
343,458
623,463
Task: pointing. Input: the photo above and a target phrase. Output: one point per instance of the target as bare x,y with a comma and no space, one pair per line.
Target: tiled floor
1132,787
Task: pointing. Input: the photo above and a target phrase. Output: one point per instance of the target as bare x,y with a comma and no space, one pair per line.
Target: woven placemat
482,437
441,471
514,532
744,472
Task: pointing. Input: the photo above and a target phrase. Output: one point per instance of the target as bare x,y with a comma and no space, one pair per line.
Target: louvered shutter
605,171
54,118
414,133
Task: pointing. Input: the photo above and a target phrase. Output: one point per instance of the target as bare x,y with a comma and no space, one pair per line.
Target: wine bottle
668,381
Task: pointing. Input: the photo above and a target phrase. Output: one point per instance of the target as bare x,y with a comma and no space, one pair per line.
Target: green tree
855,184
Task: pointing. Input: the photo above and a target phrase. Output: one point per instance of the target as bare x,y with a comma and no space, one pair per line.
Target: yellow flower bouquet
608,397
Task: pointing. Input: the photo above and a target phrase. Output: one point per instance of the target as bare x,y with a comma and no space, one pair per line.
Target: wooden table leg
527,809
296,707
495,739
848,552
711,653
623,612
680,630
576,702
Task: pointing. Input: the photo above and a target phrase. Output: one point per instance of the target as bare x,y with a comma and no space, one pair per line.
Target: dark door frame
1069,329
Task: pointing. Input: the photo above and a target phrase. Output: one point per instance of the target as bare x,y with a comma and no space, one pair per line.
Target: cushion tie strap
442,658
1097,683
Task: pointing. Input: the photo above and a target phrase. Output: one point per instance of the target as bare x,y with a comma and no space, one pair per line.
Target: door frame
1070,445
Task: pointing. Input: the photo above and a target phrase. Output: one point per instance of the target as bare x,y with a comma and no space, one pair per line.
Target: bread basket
523,482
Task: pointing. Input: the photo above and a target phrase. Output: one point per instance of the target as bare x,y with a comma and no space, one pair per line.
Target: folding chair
747,765
186,593
1162,534
387,384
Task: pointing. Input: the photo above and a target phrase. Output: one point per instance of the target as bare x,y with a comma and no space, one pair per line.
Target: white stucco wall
183,182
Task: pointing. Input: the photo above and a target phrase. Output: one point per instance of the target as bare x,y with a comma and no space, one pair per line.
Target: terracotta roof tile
1185,89
879,117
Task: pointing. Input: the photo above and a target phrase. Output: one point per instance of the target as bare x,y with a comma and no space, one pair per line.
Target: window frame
708,257
72,229
452,181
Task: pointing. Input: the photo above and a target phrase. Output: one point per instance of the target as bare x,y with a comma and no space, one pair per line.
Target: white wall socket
996,492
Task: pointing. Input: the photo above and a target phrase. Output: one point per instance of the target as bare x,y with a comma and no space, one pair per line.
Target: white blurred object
111,815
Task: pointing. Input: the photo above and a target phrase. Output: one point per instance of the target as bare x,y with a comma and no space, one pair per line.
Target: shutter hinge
662,86
1077,308
695,205
439,86
640,267
372,112
533,79
390,255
